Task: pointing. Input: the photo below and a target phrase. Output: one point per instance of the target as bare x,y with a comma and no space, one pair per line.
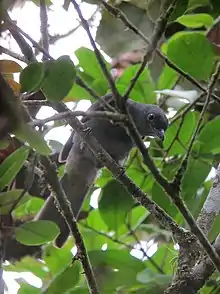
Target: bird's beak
160,134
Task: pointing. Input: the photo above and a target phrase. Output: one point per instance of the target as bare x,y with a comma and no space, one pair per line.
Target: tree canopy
154,227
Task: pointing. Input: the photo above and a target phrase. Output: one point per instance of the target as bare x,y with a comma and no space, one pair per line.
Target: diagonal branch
97,53
67,213
159,29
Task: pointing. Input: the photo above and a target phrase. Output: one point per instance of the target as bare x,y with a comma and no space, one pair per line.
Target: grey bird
81,164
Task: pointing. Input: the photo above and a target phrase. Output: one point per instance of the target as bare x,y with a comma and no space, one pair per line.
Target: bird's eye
151,116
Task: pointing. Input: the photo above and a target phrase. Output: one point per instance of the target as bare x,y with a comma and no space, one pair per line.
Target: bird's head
150,120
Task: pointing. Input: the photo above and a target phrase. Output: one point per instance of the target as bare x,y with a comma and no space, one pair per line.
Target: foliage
118,226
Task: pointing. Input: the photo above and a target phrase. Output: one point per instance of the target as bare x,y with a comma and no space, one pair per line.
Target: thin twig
13,54
36,102
69,114
151,260
132,233
44,27
55,38
186,109
92,92
13,27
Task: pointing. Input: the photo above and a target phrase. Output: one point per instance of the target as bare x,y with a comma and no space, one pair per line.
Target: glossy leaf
209,138
36,141
32,77
57,259
36,232
196,20
196,173
143,90
184,49
193,4
35,266
184,134
12,165
7,200
65,280
114,205
88,62
28,289
167,79
59,78
30,207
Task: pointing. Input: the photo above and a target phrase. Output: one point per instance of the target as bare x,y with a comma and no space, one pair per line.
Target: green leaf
28,264
167,79
193,4
184,135
184,49
28,289
179,9
100,86
209,138
34,138
77,93
95,221
30,207
7,200
114,205
12,165
103,178
134,219
105,262
56,259
59,78
167,253
159,195
148,276
196,173
116,259
36,232
88,61
32,77
65,280
78,290
196,20
143,90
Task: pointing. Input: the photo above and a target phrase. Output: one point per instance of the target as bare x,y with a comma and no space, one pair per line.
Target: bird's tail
76,187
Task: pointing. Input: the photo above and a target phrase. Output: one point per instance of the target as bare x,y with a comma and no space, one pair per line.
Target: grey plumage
81,164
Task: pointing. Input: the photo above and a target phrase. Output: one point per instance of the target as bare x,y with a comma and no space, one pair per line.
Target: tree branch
68,114
98,54
200,273
67,213
211,206
44,27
